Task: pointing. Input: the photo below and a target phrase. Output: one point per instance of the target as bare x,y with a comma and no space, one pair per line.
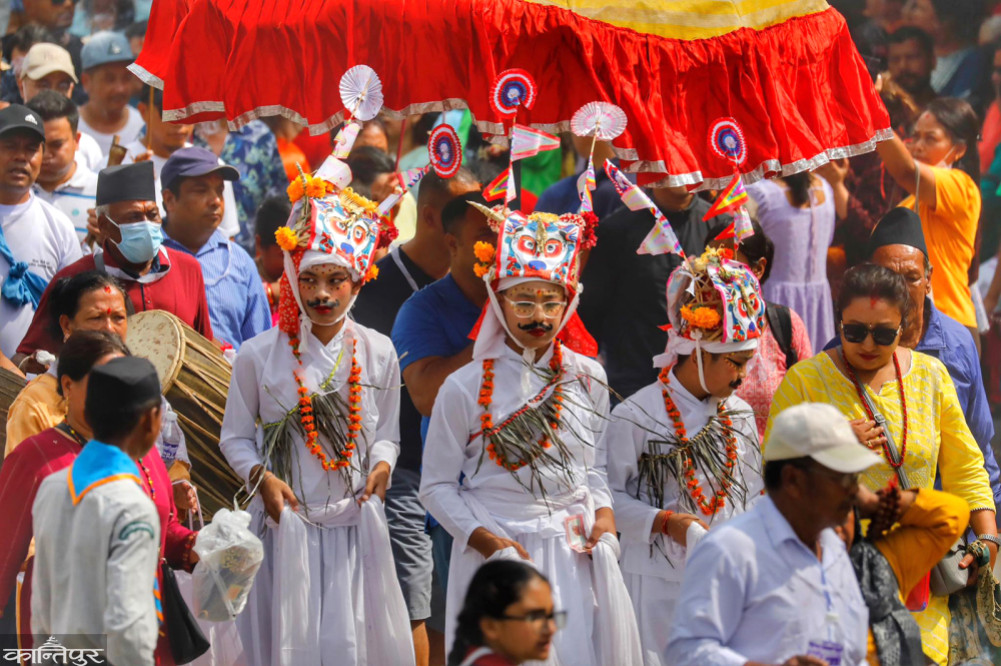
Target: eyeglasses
62,86
526,309
884,336
539,617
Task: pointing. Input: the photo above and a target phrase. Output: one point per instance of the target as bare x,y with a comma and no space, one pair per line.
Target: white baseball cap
821,432
44,58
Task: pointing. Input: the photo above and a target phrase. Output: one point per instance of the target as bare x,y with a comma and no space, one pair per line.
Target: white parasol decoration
602,120
361,92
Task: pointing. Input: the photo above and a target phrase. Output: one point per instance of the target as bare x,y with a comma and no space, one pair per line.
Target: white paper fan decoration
601,119
361,92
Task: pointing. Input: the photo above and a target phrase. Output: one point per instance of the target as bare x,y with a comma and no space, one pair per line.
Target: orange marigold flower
704,317
372,273
484,251
480,270
296,190
288,241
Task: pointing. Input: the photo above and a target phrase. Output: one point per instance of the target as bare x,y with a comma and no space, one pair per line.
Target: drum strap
130,309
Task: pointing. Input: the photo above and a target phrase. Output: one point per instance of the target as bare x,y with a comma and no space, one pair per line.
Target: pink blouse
767,368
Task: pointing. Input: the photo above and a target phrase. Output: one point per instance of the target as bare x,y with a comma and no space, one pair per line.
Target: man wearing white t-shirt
108,82
163,140
49,67
63,181
36,240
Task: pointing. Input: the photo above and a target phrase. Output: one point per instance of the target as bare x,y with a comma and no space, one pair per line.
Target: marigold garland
713,506
313,187
487,422
342,459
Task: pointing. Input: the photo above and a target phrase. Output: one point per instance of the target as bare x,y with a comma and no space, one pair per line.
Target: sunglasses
884,336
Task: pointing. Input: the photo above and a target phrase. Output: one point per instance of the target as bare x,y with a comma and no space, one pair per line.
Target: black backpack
780,321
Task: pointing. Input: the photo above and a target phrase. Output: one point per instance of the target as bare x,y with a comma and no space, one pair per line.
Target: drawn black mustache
536,325
323,303
736,384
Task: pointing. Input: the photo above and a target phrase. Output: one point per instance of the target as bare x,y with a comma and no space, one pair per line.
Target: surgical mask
140,240
945,163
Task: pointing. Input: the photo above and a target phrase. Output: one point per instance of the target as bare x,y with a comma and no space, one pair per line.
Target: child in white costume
512,466
312,420
683,452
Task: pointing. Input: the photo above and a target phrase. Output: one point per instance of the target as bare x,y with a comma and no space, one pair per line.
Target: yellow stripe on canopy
689,19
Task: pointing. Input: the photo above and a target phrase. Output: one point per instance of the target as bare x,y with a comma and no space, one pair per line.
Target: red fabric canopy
798,88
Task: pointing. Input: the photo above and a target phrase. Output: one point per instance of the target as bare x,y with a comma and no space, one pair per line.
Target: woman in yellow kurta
941,170
872,310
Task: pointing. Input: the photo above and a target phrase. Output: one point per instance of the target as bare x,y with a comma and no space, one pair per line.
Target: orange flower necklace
713,506
487,423
342,458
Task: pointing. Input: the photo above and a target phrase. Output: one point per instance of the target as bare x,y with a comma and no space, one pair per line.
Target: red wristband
663,527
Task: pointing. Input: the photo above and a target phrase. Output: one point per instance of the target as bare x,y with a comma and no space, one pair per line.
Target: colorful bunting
497,189
661,238
585,185
730,199
529,142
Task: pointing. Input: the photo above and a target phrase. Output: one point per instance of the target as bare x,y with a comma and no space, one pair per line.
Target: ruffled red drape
799,89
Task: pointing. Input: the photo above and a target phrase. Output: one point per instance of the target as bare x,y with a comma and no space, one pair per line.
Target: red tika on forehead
107,289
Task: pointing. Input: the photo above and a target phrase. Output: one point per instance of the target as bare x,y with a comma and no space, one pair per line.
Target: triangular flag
497,188
409,178
661,238
512,192
585,185
727,233
742,223
630,193
730,199
529,142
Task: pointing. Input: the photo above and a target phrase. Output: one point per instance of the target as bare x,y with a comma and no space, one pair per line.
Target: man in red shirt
154,277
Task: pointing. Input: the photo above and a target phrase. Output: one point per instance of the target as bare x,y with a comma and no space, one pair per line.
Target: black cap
129,383
126,182
192,162
17,117
901,226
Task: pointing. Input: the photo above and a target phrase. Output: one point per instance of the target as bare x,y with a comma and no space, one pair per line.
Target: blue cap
192,162
105,47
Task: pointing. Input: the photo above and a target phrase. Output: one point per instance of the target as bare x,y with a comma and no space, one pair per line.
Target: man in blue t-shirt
431,331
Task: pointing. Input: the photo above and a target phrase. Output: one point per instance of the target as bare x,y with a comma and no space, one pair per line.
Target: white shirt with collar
43,237
74,198
230,225
755,592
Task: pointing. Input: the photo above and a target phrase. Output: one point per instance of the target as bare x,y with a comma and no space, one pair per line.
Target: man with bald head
898,243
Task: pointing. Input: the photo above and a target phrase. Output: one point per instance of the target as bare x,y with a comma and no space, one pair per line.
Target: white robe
95,568
263,388
493,498
654,581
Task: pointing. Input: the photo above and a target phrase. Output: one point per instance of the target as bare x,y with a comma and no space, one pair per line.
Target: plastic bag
229,555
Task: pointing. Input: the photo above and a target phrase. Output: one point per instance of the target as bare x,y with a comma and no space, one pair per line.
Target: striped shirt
74,198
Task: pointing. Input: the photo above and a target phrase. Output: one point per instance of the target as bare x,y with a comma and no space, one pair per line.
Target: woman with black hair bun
903,406
507,617
798,213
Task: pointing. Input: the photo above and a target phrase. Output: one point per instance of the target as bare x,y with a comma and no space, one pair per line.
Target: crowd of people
478,434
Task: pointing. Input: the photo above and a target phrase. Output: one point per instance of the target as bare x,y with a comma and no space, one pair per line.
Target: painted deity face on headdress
541,246
346,231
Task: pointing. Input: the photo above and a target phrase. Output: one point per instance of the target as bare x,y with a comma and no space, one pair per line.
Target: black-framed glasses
537,618
884,336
